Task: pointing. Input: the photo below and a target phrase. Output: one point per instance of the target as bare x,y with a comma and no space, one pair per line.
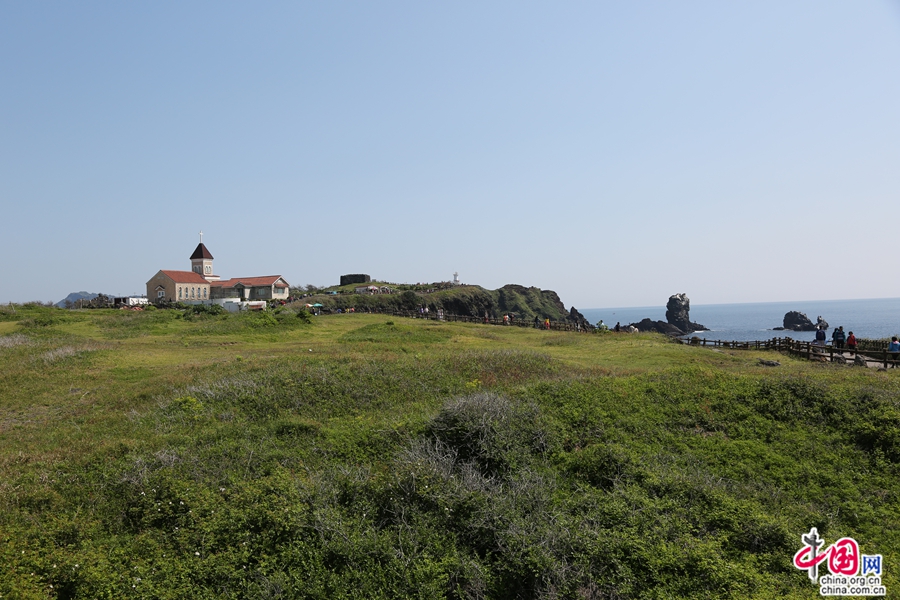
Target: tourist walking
837,338
894,349
820,337
851,343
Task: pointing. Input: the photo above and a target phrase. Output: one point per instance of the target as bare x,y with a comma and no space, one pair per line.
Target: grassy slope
239,457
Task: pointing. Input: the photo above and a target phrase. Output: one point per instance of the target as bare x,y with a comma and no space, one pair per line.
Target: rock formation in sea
577,318
678,314
678,318
658,327
797,321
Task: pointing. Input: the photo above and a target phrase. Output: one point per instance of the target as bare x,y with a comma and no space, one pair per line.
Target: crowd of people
848,341
839,339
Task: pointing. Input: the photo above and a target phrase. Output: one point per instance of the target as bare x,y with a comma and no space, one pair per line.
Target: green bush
495,434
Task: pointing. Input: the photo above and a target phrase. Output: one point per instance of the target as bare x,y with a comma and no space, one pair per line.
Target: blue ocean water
873,319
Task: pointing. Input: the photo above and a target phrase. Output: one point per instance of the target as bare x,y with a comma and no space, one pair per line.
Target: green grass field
161,455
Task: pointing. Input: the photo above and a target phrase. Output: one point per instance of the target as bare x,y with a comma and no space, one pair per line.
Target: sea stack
678,314
798,321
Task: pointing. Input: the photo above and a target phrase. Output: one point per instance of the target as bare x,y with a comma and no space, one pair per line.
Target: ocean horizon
873,318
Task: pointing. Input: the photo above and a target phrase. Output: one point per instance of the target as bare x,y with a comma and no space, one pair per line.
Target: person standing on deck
837,338
851,343
894,349
820,336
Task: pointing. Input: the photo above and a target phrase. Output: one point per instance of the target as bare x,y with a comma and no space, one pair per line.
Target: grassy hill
470,300
164,455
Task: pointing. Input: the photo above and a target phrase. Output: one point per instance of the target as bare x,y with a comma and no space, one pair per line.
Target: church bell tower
202,262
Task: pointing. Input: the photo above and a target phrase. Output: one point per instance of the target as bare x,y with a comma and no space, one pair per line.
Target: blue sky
616,152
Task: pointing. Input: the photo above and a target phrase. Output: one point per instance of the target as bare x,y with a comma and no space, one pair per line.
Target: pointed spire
201,252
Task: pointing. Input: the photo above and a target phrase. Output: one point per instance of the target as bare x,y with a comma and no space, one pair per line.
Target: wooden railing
773,344
541,324
876,353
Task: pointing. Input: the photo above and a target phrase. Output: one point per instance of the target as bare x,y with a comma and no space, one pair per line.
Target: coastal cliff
469,300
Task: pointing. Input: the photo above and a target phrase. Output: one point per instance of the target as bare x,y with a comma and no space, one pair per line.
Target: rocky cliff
470,300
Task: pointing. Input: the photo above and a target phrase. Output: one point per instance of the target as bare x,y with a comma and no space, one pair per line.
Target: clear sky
616,152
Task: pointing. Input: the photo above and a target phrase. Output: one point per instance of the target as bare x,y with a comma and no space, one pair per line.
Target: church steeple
202,261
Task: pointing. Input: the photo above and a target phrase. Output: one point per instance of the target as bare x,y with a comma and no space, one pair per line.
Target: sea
873,318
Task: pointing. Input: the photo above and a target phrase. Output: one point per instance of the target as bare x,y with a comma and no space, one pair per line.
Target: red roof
184,276
201,252
252,282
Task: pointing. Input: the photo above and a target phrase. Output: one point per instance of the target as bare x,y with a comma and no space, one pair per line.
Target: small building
355,278
268,287
130,301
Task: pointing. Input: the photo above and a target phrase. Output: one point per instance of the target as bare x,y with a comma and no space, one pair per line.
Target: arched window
179,292
204,293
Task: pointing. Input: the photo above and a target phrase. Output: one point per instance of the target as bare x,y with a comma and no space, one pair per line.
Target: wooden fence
553,325
875,352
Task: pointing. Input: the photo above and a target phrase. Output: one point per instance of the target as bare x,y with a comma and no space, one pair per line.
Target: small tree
409,300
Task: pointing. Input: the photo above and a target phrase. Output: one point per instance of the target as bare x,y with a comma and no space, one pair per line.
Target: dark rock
577,318
678,314
798,321
648,325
